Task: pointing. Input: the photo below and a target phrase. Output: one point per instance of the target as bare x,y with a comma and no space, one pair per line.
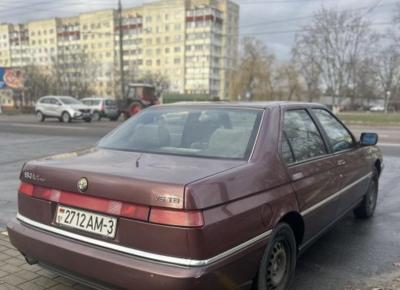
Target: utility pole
121,50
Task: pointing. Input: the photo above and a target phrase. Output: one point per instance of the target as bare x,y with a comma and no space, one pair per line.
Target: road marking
49,126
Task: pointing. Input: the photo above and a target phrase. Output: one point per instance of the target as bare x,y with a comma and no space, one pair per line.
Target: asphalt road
353,255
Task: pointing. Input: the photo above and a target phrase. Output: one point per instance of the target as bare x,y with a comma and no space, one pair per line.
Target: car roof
45,97
97,98
255,105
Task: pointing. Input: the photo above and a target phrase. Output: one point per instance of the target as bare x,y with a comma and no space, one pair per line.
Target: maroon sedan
196,196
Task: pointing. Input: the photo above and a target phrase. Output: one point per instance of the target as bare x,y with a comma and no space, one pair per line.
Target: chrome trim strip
143,254
340,192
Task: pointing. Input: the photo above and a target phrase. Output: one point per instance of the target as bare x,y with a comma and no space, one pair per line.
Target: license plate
86,221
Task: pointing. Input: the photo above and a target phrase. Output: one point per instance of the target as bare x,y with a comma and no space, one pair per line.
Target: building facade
191,43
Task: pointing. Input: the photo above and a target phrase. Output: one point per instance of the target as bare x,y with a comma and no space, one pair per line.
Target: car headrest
150,136
229,142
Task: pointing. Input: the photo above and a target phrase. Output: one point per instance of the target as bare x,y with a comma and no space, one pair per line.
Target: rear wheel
368,205
279,261
66,117
39,116
96,116
113,119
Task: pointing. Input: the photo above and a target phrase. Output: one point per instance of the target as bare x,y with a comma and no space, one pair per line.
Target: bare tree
289,82
388,71
253,76
38,83
335,41
366,80
307,64
74,73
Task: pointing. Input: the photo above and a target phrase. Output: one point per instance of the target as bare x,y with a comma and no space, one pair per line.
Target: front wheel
368,205
279,260
66,117
39,116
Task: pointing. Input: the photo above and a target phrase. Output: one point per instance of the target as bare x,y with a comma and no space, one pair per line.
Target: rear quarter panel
245,201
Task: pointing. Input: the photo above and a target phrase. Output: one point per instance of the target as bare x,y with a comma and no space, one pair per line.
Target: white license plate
86,221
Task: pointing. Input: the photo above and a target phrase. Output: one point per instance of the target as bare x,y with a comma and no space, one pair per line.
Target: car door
311,169
352,166
44,106
58,108
52,107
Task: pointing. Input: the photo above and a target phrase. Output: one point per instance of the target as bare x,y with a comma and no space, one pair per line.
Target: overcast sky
273,21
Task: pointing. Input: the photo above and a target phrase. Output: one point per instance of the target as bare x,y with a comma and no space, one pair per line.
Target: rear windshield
110,102
199,132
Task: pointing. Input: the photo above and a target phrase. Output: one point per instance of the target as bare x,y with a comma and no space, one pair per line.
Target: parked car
63,108
102,108
197,196
377,108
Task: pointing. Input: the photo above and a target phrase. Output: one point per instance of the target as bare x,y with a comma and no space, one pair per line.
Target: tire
368,205
39,116
96,116
66,117
278,263
135,108
113,119
88,120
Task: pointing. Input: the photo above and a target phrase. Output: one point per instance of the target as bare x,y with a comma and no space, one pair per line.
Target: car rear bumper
93,263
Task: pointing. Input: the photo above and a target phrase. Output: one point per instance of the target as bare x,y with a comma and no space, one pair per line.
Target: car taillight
179,218
170,217
102,205
26,188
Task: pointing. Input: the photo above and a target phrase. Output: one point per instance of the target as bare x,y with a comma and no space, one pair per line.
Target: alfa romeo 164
197,196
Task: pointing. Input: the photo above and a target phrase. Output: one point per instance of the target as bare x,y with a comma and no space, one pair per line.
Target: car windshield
70,101
200,132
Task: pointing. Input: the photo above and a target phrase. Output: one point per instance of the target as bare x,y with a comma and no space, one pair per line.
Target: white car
102,107
377,108
63,108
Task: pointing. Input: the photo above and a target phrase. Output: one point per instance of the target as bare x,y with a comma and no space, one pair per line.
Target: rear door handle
341,162
297,176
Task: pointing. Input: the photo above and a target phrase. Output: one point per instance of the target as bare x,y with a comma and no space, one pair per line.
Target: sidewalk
16,274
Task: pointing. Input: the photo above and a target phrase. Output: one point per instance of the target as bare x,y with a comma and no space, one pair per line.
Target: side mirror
368,139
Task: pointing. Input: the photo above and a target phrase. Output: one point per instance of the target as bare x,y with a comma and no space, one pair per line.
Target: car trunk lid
143,179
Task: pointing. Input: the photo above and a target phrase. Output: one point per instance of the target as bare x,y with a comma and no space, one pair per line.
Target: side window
302,136
45,101
287,152
338,136
53,102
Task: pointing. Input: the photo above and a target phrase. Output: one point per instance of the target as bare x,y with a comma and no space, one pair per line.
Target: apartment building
192,43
